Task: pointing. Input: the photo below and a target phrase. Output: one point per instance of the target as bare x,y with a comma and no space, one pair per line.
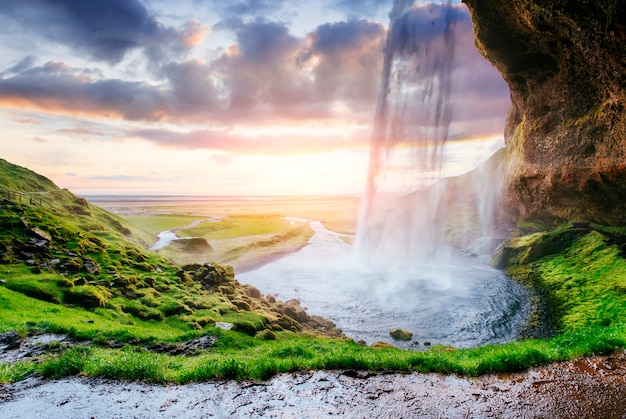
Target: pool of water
463,303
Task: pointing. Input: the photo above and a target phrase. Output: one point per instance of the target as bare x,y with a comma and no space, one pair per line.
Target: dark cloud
346,59
103,30
193,88
24,64
57,88
260,72
267,76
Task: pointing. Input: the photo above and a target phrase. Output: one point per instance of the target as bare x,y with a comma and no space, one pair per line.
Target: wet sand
592,387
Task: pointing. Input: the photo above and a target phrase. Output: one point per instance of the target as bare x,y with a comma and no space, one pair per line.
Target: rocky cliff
565,63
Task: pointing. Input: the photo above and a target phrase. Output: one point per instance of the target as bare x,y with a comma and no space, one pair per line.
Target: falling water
401,219
404,274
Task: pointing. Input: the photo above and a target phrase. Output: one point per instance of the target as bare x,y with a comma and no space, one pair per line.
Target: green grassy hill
92,266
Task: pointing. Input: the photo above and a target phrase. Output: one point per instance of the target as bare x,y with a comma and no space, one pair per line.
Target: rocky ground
585,388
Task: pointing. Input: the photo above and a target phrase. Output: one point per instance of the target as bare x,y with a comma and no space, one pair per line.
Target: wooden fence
24,198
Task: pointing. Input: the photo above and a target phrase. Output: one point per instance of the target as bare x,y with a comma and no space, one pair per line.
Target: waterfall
403,209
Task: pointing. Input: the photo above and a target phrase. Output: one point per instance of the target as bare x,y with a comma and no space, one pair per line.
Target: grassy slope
137,297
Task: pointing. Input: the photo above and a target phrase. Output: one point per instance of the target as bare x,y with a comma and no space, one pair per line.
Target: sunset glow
214,98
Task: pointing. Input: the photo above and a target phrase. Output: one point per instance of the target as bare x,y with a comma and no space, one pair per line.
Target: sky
216,97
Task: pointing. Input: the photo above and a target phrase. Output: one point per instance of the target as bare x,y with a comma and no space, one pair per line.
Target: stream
465,303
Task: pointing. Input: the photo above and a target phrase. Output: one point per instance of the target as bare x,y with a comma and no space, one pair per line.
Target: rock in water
401,334
564,63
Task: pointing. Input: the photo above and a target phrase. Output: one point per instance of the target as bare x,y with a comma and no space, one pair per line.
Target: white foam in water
482,307
402,274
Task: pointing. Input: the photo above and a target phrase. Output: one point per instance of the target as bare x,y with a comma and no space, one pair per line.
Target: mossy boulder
401,334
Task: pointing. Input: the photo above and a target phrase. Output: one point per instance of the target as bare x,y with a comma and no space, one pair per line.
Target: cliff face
565,63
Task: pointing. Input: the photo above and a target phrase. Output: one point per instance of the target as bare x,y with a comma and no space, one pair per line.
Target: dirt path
585,388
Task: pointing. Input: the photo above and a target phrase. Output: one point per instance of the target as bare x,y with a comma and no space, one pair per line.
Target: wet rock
80,281
194,245
192,267
292,309
10,340
41,235
189,348
401,334
39,243
321,324
90,266
253,292
224,325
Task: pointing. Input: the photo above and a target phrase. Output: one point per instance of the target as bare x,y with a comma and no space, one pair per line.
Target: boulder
401,334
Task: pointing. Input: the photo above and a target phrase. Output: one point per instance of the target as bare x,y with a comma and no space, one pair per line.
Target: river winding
463,304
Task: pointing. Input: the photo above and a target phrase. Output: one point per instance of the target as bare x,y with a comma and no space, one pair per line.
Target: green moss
580,270
41,288
88,296
137,309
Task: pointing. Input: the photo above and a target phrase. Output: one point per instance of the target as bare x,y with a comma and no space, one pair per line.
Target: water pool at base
465,303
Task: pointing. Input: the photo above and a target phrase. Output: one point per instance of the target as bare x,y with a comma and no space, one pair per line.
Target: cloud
362,8
267,76
193,88
248,7
103,30
57,87
345,58
234,143
24,64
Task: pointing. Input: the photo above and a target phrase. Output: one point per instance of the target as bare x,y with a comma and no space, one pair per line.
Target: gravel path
585,388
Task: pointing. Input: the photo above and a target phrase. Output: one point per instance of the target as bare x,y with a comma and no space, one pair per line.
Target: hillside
58,248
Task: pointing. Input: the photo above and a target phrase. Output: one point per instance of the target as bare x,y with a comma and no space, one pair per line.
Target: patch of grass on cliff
579,269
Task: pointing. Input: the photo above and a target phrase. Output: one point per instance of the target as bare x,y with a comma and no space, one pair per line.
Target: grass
579,268
105,288
241,241
244,358
156,223
234,227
